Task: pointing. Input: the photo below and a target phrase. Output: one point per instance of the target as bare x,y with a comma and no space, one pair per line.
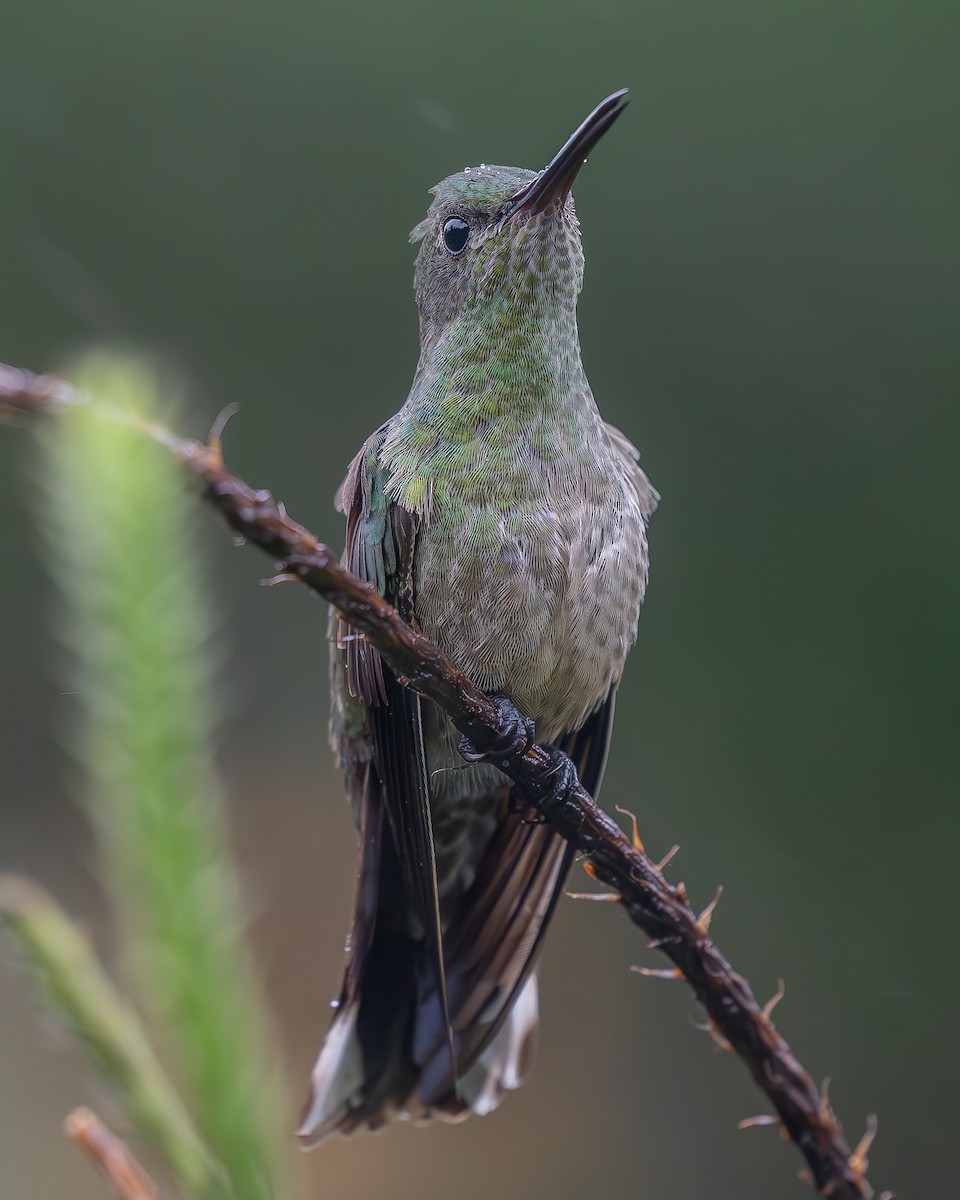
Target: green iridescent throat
501,387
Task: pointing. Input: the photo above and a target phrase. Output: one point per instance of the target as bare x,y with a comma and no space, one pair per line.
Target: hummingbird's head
505,241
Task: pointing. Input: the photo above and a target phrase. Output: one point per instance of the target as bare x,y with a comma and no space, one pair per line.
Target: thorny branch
736,1019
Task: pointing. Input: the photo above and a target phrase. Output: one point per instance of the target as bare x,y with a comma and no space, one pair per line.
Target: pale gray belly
541,602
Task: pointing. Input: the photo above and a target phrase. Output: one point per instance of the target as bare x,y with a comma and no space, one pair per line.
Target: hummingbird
507,521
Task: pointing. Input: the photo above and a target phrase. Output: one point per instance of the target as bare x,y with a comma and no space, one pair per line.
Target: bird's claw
517,735
563,777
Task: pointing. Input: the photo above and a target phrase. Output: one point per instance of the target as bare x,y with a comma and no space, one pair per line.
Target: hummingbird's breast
531,562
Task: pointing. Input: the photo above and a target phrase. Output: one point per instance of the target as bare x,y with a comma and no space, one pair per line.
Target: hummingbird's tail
395,1048
344,1098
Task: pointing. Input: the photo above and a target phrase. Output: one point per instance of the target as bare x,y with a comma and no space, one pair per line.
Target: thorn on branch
759,1120
859,1162
635,837
344,633
604,897
774,1000
215,436
282,577
716,1036
667,858
669,939
658,972
703,921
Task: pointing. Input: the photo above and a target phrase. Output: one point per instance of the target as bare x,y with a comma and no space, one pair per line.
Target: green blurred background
770,313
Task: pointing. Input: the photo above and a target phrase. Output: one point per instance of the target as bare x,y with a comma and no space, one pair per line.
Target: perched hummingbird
505,519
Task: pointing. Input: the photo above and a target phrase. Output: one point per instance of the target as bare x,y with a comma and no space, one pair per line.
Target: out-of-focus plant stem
113,1156
109,1030
138,625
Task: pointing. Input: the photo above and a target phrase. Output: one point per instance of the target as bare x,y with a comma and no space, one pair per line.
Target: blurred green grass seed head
137,621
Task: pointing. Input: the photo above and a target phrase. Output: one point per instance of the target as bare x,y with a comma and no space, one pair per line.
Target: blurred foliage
109,1031
769,313
119,524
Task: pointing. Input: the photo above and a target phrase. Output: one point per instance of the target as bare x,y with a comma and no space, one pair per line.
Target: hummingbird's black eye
455,234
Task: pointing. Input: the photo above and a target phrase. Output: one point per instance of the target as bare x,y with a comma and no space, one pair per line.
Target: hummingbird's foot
562,777
518,734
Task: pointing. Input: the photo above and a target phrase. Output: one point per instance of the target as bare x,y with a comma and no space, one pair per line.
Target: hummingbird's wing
377,730
647,494
381,544
492,945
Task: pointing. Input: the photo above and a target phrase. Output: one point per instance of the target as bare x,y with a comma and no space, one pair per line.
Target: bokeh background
770,312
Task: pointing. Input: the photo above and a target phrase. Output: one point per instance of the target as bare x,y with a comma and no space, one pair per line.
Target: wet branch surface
660,909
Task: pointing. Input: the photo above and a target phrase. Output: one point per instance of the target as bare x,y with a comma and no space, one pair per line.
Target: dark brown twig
660,909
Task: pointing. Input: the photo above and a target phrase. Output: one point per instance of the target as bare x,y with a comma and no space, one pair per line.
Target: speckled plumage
500,513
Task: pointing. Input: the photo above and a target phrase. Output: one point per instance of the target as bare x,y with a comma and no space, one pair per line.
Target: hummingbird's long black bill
556,179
